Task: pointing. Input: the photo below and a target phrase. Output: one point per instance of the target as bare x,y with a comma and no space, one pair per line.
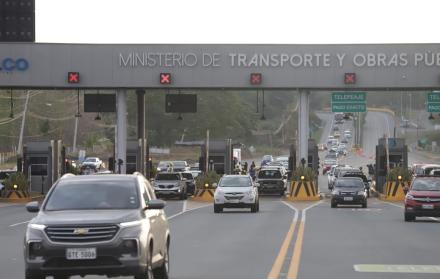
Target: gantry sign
345,67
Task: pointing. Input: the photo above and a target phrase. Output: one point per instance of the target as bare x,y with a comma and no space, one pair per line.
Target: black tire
334,205
61,277
409,217
217,208
364,205
258,206
282,193
163,271
254,208
183,195
368,193
148,273
33,275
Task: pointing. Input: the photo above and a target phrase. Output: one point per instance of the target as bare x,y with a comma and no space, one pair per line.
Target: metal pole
141,128
20,140
121,123
75,134
303,123
207,151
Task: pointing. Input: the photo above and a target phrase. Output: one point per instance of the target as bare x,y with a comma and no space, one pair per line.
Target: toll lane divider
394,191
204,195
303,191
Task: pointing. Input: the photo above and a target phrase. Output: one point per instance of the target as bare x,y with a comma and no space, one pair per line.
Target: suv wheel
334,205
254,208
148,273
364,205
183,195
217,208
61,277
33,275
162,271
282,193
409,217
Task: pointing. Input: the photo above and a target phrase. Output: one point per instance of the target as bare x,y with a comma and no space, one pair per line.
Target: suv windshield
232,181
179,164
93,194
167,176
426,184
349,183
269,174
187,175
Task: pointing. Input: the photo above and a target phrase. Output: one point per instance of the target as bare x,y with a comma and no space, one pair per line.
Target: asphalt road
306,240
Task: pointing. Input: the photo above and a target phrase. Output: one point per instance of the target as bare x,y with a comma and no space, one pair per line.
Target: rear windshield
235,181
269,174
349,183
362,176
167,176
426,185
93,194
187,175
179,164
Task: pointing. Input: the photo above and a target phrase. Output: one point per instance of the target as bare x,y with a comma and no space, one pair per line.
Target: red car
423,198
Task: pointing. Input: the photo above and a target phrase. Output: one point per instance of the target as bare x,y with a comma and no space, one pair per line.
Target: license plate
427,206
81,253
348,198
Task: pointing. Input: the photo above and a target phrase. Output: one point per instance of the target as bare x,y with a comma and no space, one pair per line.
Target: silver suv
236,191
170,184
102,225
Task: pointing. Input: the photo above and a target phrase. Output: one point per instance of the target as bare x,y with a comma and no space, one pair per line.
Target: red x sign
73,77
350,78
165,78
256,78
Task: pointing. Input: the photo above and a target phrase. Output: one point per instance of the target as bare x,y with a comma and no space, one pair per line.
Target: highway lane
356,236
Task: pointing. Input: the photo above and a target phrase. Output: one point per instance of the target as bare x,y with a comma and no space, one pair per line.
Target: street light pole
20,140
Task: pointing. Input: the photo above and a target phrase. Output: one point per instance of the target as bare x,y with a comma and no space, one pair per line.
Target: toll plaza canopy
391,66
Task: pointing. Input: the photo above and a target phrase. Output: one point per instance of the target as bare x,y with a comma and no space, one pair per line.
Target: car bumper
344,200
235,203
109,261
167,192
418,211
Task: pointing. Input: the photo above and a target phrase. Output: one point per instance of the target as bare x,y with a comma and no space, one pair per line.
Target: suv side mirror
214,185
32,206
155,204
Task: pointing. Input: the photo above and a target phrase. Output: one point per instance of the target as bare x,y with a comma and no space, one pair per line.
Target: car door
161,223
152,218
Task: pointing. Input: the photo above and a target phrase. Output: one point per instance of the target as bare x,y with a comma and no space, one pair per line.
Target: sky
237,21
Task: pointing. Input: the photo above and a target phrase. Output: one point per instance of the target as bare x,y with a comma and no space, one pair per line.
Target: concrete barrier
303,191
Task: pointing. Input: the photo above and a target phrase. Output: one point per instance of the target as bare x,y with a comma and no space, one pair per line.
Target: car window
426,185
167,176
93,194
235,181
187,176
269,174
349,183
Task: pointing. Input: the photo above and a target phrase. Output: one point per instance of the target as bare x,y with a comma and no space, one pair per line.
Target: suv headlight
130,224
361,193
219,192
336,193
409,197
37,227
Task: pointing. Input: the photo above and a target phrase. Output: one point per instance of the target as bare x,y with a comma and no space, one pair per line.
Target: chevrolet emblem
81,231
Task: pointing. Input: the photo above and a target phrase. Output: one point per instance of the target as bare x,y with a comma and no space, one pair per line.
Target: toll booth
398,157
220,157
136,153
43,164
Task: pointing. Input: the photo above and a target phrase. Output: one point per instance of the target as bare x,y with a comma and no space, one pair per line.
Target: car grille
166,186
426,199
234,197
81,234
348,193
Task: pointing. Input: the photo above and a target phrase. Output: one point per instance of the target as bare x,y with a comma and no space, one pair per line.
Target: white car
236,191
94,162
347,134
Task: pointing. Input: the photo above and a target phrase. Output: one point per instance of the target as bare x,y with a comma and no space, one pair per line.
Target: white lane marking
184,205
393,268
303,217
189,210
295,217
401,206
17,224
